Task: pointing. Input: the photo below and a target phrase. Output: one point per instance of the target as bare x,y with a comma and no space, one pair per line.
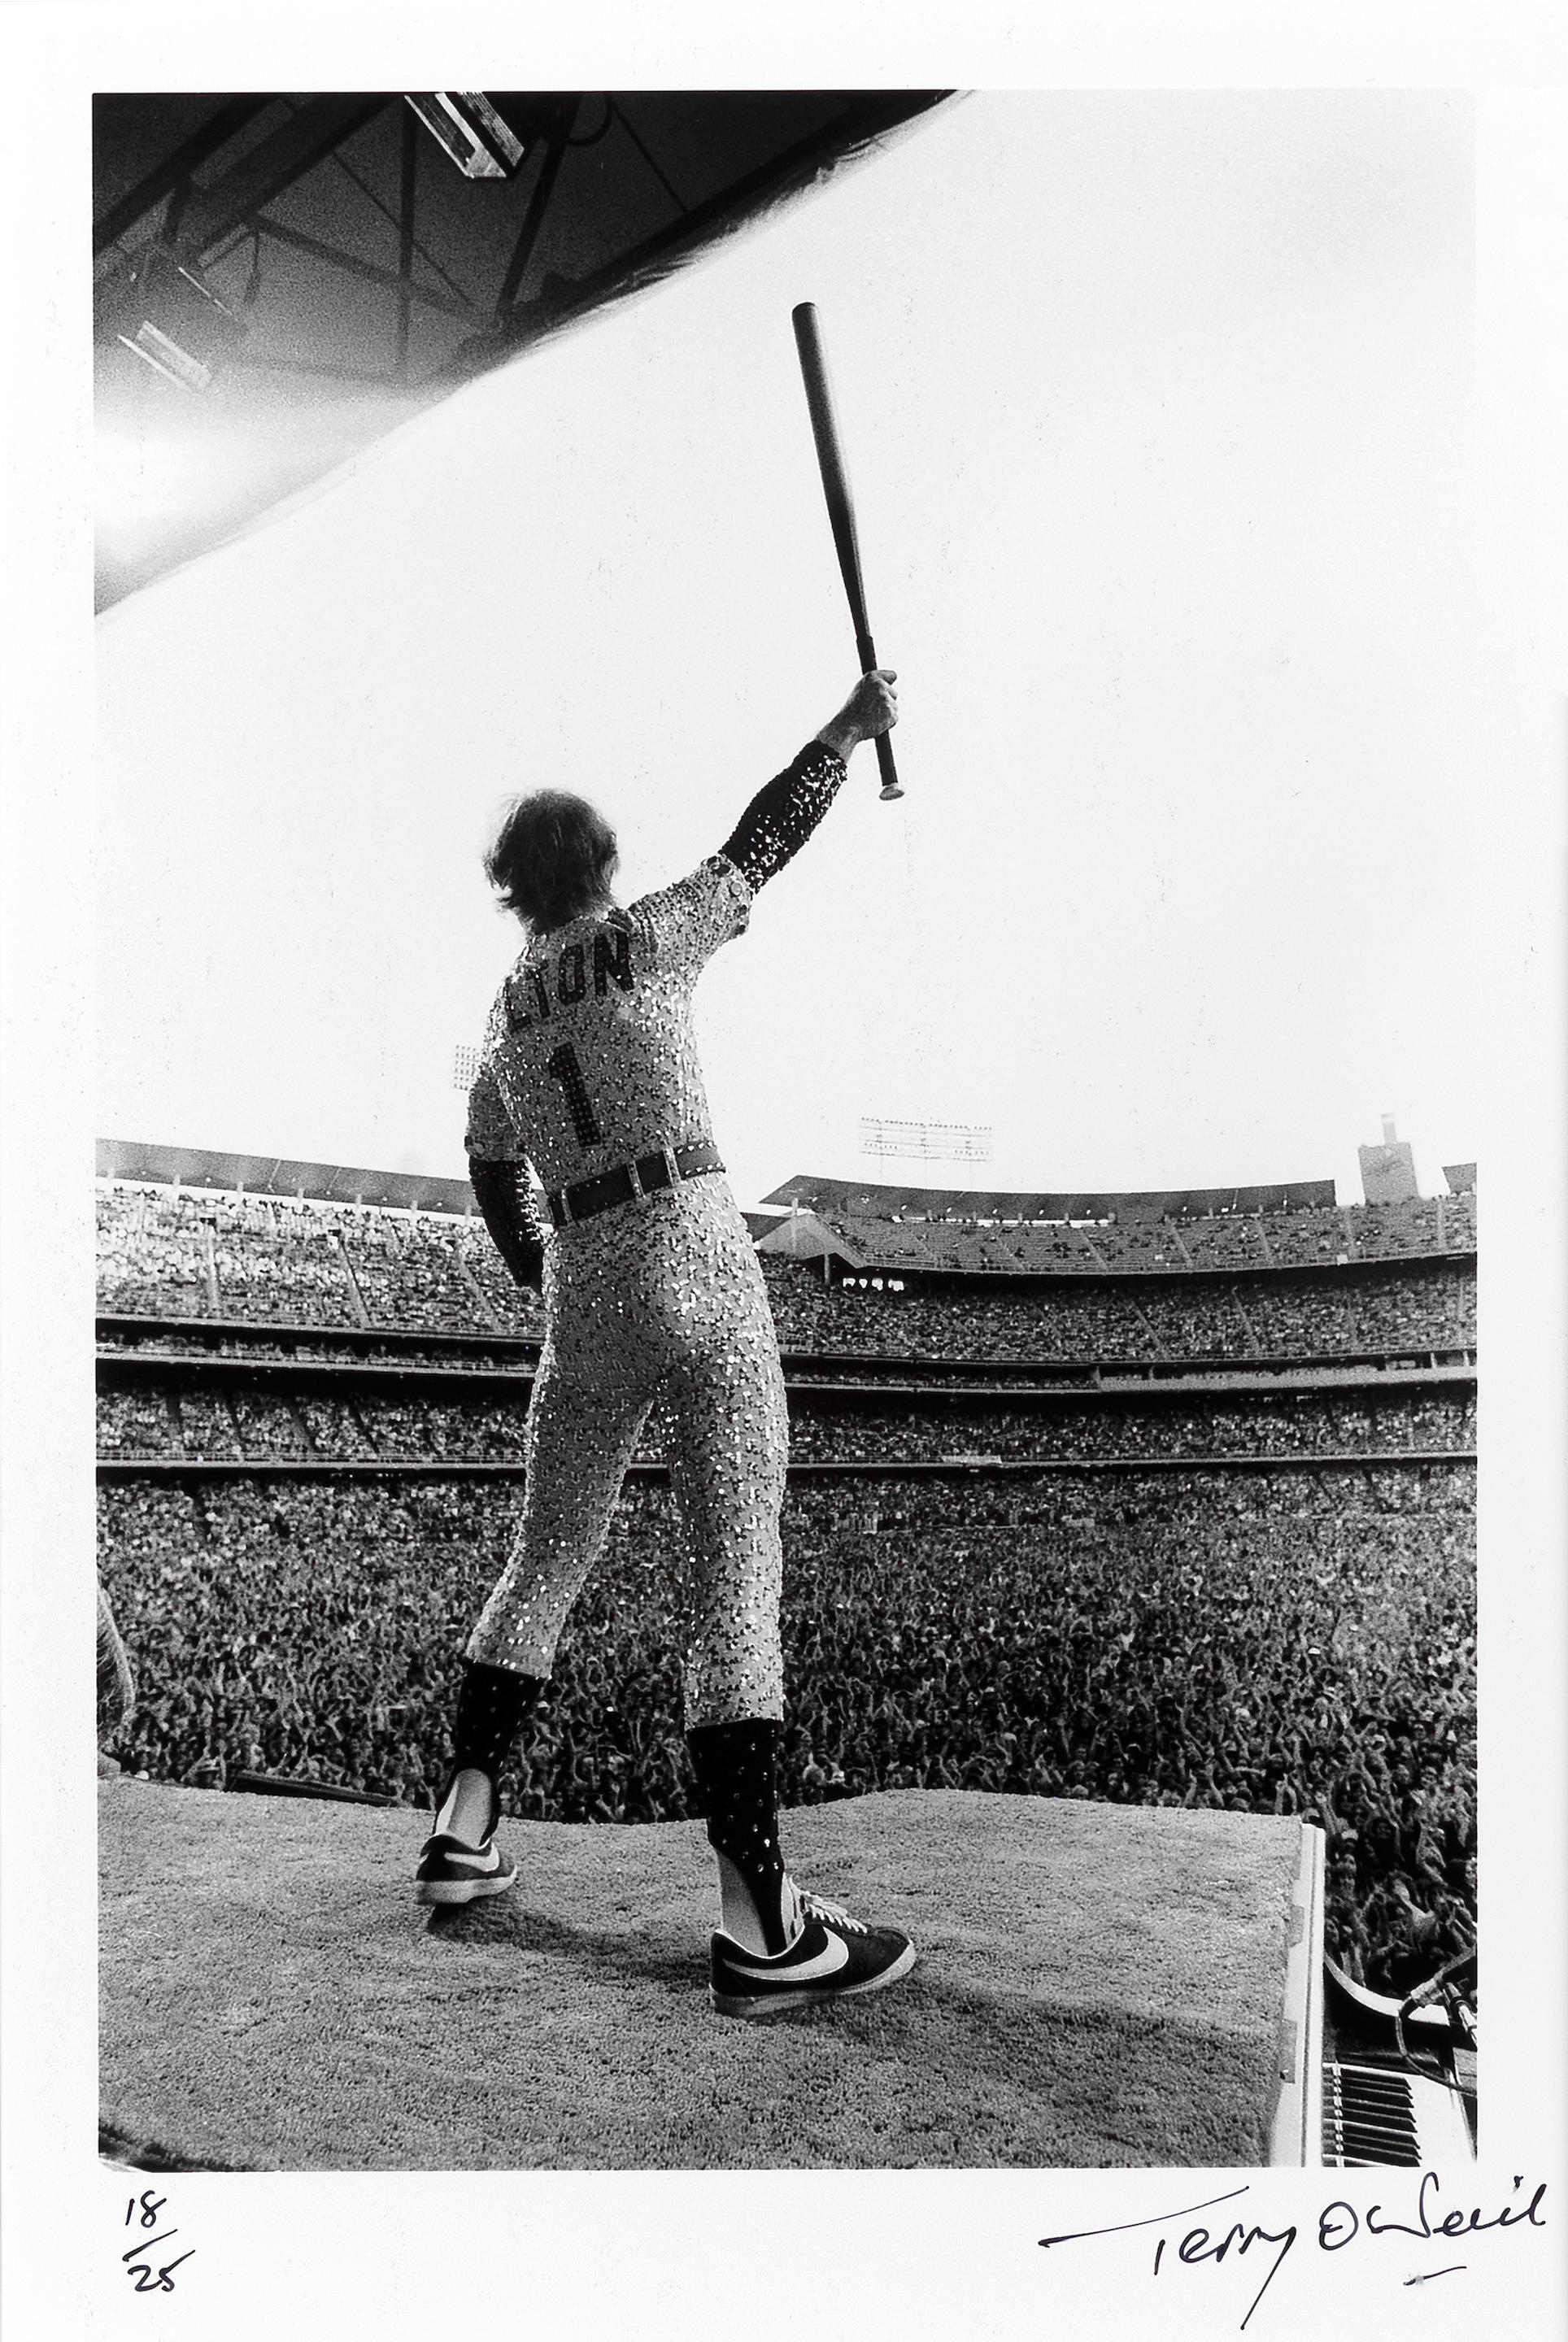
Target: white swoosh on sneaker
491,1861
834,1955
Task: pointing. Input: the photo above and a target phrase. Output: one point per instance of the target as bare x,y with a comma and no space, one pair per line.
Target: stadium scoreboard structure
1388,1171
939,1141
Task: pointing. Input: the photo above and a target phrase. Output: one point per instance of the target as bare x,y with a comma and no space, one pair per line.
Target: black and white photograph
801,960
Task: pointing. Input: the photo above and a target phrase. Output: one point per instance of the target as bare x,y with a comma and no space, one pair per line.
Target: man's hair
552,857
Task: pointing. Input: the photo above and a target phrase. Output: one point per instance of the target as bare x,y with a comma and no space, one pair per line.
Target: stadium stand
1390,1231
1042,1250
300,1262
920,1426
265,1261
1165,1506
1217,1242
320,1262
152,1253
1319,1317
1457,1215
1165,1235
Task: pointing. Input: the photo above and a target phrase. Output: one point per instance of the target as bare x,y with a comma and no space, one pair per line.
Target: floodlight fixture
165,316
465,125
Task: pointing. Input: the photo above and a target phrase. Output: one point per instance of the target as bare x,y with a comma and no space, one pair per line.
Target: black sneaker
831,1957
451,1872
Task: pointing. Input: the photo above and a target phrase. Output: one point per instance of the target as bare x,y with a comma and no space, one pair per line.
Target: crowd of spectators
1320,1238
265,1425
1459,1221
1287,1642
136,1422
1298,1316
1299,1423
180,1344
279,1260
1385,1231
274,1259
332,1426
1313,1239
153,1252
255,1425
207,1423
410,1271
295,1261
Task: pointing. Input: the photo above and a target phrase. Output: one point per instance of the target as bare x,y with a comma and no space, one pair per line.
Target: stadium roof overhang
279,279
800,1236
270,1175
805,1193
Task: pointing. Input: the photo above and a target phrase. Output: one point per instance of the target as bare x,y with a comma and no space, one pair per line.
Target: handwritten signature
1338,2224
138,2261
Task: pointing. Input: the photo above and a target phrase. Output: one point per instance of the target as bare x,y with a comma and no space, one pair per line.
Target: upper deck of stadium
935,1232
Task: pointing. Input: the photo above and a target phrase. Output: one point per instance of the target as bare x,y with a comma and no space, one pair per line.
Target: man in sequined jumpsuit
653,1295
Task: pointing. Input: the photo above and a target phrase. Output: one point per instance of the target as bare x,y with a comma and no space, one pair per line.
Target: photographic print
1126,1454
789,1108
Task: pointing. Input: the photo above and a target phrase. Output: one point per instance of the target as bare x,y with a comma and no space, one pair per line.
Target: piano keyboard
1380,2115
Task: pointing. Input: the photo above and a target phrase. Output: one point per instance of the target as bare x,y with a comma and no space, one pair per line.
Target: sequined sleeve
499,1175
781,816
501,1192
491,1136
680,928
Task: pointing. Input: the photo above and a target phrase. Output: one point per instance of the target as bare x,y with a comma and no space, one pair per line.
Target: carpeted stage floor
1097,1984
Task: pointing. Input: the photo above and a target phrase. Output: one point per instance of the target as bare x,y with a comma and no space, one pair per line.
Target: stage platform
1096,1986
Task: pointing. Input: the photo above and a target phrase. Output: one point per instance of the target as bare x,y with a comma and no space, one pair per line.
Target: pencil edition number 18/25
144,2211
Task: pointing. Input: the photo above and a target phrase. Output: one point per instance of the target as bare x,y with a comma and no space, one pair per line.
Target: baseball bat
840,509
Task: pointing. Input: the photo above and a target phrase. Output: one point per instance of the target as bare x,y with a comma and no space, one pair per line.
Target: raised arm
781,816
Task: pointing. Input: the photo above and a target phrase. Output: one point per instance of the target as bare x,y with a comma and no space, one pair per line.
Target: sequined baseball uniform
589,1063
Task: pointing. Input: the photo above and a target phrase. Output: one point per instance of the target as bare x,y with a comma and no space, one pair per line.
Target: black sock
491,1706
735,1766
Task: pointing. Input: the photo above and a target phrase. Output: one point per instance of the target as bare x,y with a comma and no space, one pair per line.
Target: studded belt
627,1181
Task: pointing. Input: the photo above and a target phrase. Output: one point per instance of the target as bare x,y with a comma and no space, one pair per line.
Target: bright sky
1158,412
